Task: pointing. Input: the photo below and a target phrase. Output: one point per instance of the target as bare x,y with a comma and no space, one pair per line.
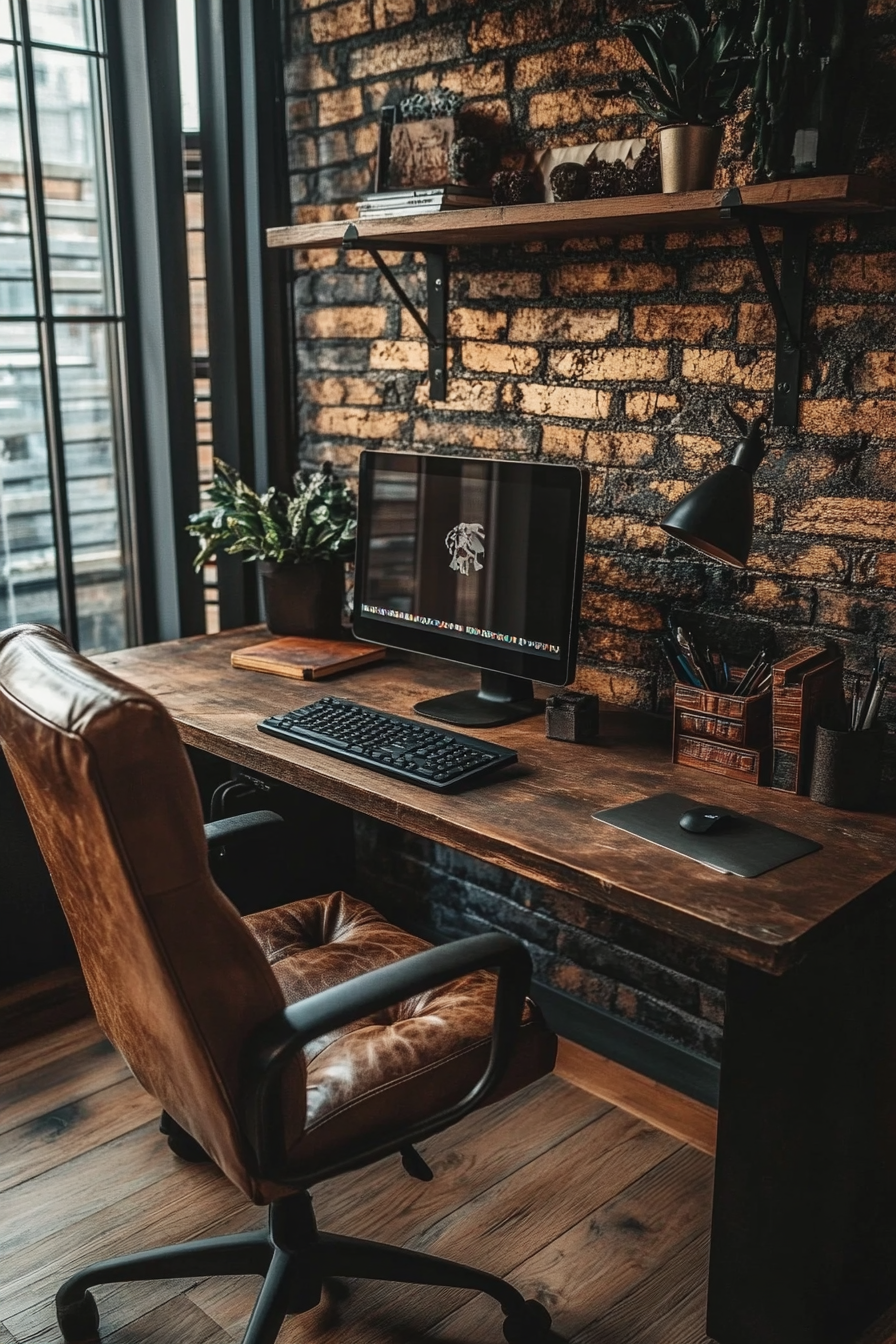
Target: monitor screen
476,561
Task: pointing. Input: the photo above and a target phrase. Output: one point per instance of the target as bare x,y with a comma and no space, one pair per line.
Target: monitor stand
500,699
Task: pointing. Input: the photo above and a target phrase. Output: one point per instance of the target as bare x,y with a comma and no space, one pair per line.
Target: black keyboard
386,742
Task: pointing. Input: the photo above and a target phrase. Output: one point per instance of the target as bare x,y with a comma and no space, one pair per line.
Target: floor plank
601,1216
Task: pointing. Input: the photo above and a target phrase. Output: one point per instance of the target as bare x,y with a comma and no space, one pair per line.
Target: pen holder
726,734
846,767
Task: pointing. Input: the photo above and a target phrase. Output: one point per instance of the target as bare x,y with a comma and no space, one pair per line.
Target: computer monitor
476,561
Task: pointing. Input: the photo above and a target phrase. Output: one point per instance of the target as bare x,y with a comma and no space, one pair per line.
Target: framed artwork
418,153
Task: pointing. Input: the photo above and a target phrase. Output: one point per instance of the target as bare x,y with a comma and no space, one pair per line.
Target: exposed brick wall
613,352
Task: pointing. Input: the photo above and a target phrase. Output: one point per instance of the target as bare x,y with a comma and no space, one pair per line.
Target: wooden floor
598,1214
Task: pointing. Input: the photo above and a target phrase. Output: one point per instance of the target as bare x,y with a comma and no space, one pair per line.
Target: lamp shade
716,517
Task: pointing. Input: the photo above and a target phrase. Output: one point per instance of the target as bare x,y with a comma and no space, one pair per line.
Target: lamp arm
278,1040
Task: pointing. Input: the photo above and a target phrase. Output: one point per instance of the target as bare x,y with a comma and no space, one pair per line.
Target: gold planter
688,156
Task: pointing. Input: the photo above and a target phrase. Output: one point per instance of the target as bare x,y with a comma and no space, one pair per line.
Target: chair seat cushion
378,1075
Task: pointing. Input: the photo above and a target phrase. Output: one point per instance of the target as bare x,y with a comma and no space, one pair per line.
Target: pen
874,706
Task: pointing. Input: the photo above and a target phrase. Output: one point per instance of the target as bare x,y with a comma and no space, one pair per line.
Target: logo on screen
466,544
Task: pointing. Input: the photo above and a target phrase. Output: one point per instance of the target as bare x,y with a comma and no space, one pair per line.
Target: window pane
16,279
62,22
5,19
93,488
27,552
79,253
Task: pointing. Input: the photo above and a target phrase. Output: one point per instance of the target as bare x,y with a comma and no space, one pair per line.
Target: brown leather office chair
291,1045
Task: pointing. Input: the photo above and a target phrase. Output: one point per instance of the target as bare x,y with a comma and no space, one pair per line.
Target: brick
721,366
863,519
308,71
561,441
723,276
579,59
885,570
399,355
856,615
339,105
340,22
504,285
365,139
835,316
571,107
756,324
478,324
341,391
699,452
558,324
610,276
358,423
643,406
777,556
434,46
871,273
342,455
617,448
492,438
621,612
476,80
389,13
464,394
616,686
825,415
876,372
533,22
355,321
484,357
616,363
332,147
679,321
631,534
782,601
577,403
613,646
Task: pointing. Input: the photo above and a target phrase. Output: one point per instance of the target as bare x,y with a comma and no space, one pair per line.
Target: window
65,485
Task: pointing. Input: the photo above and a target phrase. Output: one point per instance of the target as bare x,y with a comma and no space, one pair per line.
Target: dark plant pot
304,599
846,767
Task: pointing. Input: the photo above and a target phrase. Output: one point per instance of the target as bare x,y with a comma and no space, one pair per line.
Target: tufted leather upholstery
178,980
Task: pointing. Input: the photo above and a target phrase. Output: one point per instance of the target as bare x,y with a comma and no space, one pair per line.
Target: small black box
572,717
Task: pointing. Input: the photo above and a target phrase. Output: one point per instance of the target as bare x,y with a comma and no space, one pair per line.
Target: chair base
294,1259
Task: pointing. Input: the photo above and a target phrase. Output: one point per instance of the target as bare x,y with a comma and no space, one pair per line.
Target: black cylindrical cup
846,767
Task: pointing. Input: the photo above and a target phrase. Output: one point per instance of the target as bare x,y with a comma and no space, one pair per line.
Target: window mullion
47,336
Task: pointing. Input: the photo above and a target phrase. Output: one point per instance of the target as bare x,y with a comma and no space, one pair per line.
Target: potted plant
699,65
302,541
810,89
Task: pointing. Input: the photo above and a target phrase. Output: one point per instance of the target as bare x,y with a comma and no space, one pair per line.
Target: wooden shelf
681,212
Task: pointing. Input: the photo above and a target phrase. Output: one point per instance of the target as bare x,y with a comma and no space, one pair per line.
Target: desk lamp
716,518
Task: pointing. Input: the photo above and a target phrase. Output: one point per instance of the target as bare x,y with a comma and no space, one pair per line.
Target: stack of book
421,201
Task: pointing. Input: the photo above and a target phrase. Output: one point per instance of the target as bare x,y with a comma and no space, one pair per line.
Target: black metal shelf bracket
435,326
786,298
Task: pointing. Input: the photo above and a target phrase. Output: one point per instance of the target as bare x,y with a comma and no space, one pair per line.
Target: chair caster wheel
79,1322
182,1144
530,1325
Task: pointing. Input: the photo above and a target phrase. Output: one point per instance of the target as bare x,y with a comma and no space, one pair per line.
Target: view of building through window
195,213
64,487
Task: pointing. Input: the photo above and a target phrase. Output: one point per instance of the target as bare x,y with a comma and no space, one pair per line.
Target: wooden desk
804,1213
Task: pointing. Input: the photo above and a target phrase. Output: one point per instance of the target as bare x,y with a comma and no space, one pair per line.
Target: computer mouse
704,820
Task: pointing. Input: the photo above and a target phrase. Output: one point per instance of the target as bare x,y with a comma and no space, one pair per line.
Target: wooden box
726,734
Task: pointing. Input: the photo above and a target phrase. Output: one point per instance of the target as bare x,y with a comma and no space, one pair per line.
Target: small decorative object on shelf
517,187
468,161
810,90
572,716
699,64
302,540
570,182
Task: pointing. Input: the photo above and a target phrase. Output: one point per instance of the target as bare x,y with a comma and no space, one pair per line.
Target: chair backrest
176,979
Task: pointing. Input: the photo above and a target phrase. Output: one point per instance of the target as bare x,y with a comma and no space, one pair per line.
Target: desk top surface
535,818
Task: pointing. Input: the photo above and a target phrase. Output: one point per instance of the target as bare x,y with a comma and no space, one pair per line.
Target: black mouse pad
745,846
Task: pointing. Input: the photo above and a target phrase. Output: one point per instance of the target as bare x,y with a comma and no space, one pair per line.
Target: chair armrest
217,833
279,1039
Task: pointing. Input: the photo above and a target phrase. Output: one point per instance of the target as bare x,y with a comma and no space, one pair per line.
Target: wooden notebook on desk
305,659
